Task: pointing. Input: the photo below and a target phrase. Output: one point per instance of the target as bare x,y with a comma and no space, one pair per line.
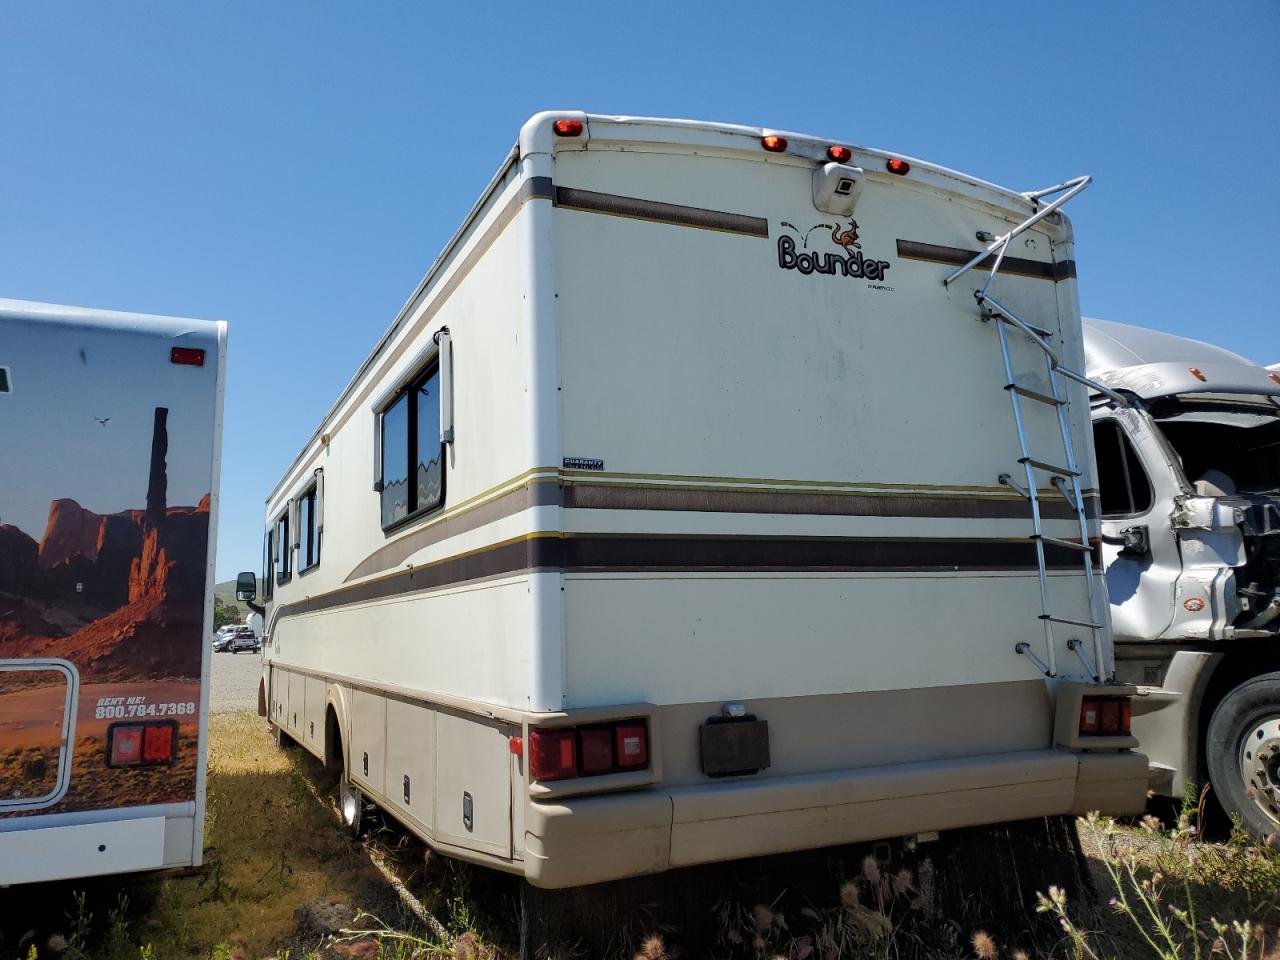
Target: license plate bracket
733,746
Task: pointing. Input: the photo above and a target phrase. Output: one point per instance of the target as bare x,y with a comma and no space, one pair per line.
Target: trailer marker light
126,746
516,746
900,167
839,154
597,750
187,356
632,744
1105,716
1197,373
552,755
774,143
157,744
568,128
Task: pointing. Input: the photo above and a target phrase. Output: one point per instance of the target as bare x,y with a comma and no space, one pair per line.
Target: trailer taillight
552,755
1105,716
564,752
774,143
900,167
187,356
567,128
839,154
147,744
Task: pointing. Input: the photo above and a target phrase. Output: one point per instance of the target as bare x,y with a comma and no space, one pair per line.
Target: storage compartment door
37,728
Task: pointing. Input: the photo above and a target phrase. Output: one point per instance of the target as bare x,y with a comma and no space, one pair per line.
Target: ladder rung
1049,467
1069,544
1075,623
1034,395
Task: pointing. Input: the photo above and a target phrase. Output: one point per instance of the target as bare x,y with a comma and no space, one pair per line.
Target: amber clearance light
567,128
839,154
900,167
774,143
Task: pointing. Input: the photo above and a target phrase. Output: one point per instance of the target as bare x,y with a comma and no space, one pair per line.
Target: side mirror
246,586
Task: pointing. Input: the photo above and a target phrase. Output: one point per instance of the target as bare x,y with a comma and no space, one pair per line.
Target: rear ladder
1064,477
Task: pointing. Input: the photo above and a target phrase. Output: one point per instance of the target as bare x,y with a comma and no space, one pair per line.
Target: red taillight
552,755
187,356
900,167
142,744
564,752
597,750
1105,716
774,143
840,154
632,743
568,128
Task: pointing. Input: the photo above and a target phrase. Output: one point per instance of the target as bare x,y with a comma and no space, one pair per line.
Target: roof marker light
187,356
568,128
900,167
1274,376
774,143
839,154
1197,373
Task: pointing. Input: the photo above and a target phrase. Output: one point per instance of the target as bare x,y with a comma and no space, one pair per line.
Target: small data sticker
583,463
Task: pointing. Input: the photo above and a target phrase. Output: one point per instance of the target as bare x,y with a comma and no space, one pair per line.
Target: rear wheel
1243,750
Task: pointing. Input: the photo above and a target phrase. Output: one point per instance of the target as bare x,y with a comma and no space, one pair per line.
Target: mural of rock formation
117,594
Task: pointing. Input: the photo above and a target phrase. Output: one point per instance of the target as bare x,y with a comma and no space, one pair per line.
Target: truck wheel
1243,751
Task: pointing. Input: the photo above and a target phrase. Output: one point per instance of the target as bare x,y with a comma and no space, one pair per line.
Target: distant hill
225,592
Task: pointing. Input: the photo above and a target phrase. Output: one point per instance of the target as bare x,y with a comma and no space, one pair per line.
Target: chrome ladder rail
1065,478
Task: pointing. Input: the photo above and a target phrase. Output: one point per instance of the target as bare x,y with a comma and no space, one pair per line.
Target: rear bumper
99,848
593,839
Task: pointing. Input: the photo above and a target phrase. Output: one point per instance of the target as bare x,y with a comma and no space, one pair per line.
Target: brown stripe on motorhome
958,256
602,553
571,198
586,496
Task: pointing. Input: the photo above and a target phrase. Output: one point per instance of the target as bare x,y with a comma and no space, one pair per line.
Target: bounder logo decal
850,262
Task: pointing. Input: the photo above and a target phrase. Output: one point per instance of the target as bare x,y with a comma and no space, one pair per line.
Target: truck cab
1189,478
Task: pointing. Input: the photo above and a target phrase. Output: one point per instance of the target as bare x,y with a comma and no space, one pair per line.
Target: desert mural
120,596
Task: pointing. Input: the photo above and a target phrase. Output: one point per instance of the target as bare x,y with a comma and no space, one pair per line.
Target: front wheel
351,805
1243,750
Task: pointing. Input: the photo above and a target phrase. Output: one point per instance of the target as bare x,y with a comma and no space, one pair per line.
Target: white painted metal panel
83,850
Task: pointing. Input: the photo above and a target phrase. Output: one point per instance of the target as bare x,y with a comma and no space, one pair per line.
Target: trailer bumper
584,840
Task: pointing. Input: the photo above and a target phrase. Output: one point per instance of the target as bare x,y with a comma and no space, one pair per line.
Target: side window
268,580
1124,485
284,568
309,534
412,455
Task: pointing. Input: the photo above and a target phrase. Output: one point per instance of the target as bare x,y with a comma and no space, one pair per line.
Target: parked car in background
222,641
244,639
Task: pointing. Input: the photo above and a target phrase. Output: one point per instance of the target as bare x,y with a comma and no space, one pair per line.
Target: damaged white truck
1189,471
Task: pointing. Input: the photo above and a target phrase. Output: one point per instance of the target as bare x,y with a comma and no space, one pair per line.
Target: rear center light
839,154
1105,716
774,143
148,744
900,167
187,356
567,128
561,753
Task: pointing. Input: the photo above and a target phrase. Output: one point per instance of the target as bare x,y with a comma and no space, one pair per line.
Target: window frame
283,572
1126,447
310,537
269,563
408,391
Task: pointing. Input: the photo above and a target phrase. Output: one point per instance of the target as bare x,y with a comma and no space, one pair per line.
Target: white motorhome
1189,469
111,423
674,518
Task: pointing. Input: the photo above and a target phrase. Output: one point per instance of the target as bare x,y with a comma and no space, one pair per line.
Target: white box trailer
110,423
673,520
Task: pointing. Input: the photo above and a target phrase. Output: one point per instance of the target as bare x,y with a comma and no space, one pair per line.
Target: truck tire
1243,752
351,803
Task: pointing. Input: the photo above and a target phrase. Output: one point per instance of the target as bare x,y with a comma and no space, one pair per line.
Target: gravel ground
234,684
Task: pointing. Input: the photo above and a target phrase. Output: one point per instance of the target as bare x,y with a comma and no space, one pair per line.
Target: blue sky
293,168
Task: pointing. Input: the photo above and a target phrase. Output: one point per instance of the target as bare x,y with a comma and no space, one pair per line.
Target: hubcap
1260,766
350,802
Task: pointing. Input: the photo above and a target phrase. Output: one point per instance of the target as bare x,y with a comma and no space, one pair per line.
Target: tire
1243,752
